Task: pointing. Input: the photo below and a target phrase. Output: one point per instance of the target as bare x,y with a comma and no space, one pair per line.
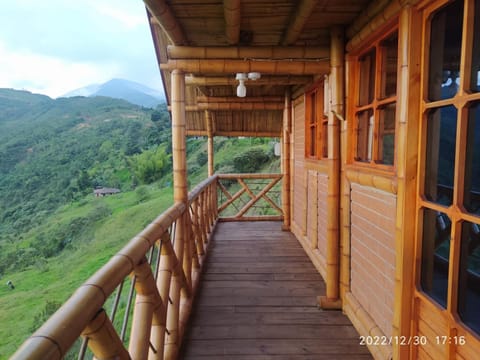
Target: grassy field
57,279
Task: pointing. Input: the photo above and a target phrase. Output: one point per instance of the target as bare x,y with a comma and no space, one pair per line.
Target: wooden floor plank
258,300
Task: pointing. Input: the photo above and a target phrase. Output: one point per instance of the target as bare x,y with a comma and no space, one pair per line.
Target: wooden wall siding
373,253
322,217
298,186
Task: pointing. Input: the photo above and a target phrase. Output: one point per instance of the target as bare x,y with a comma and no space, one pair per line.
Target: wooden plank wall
298,185
373,214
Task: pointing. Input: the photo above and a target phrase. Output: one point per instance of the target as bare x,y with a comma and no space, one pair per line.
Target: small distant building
103,191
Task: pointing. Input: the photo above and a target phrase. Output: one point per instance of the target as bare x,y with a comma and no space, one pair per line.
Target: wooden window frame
455,211
375,106
316,123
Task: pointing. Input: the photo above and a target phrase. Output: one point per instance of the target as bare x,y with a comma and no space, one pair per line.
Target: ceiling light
254,75
241,89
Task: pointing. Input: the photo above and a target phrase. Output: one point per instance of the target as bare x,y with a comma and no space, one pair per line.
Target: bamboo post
180,194
148,306
210,149
103,341
332,298
287,129
407,135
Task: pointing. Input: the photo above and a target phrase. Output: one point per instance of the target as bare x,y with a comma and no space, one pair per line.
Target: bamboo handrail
82,314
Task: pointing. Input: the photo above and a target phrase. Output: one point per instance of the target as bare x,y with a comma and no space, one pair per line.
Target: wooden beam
231,81
235,99
235,133
298,20
365,16
290,67
248,52
232,14
162,13
245,106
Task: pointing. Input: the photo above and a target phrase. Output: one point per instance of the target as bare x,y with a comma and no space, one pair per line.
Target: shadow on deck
257,300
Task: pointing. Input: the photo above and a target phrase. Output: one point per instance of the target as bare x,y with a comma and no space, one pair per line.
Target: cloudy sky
55,46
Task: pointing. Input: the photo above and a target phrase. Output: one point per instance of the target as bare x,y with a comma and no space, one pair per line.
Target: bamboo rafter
298,20
232,14
162,13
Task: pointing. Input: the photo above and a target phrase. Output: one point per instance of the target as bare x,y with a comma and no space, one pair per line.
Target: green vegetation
54,233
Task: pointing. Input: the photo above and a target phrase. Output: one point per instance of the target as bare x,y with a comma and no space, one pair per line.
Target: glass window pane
440,154
445,47
313,141
386,133
475,81
469,276
435,255
367,78
389,49
471,199
325,138
365,123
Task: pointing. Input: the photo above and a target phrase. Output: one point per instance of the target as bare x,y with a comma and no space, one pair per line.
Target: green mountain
55,151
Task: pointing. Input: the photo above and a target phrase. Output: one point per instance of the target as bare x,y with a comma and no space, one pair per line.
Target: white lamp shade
241,89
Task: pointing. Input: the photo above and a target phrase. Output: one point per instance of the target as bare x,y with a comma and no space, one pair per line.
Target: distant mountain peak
130,91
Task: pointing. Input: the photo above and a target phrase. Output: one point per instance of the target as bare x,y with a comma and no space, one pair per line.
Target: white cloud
49,75
128,18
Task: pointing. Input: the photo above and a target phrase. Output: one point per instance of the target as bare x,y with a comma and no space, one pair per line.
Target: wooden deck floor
257,300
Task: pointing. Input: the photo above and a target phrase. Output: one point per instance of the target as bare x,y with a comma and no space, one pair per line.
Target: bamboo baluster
196,227
201,220
215,198
203,204
287,129
103,340
187,256
148,311
332,298
157,336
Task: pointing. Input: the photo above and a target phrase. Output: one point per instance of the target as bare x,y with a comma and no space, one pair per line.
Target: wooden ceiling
287,41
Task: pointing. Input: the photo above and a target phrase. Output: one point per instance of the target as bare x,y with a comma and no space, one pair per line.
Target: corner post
180,194
287,129
332,298
210,149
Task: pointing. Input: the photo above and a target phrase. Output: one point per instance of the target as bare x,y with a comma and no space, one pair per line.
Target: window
374,119
449,201
316,132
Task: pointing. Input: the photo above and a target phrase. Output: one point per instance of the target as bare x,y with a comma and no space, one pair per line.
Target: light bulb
241,89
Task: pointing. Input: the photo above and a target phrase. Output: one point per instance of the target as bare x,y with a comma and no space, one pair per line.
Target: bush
142,194
250,160
202,158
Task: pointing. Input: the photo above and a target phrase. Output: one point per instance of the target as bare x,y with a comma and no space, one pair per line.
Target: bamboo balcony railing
161,267
256,197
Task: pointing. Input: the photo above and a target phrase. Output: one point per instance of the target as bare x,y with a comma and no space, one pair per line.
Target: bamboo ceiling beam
293,67
365,16
231,81
248,52
381,19
234,99
162,13
298,20
235,133
244,106
232,14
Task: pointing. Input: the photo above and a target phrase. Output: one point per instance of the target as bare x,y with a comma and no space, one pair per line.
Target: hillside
53,232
